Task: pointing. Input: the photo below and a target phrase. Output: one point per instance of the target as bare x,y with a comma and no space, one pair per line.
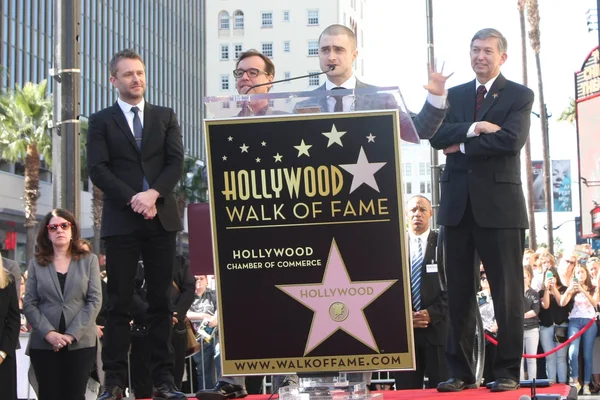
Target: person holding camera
554,321
585,300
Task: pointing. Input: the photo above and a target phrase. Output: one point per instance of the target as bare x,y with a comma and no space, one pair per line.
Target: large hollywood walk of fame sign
308,237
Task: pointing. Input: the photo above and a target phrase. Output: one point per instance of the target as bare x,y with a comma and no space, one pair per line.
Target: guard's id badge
431,268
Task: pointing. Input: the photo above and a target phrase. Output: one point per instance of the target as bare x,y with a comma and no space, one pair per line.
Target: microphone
331,68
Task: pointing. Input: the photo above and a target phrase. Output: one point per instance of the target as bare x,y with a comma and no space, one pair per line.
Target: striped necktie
416,266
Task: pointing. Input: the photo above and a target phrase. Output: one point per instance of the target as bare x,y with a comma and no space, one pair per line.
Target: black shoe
111,393
223,390
167,391
504,385
455,385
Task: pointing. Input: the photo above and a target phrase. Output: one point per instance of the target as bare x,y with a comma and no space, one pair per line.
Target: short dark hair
126,53
45,250
269,66
419,196
492,33
337,29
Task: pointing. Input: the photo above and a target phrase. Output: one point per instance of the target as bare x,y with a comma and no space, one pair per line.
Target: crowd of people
560,299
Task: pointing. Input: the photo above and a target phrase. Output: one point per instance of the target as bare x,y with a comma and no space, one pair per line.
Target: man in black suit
430,304
135,156
483,209
337,47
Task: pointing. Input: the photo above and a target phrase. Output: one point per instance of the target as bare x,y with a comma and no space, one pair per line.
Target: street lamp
559,225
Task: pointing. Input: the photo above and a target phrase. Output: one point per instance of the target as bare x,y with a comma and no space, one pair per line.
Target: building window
422,187
224,20
314,80
408,169
267,20
287,75
286,46
237,48
286,16
424,168
408,187
224,82
313,17
225,104
313,47
238,20
267,49
224,52
428,187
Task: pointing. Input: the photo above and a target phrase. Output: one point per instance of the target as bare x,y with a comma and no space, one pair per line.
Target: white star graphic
334,136
257,159
303,148
263,143
230,139
244,148
337,284
224,158
363,171
278,157
371,138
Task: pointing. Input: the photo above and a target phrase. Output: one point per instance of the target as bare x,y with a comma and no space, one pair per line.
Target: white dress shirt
126,108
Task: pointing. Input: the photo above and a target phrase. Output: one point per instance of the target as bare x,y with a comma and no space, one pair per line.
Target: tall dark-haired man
483,209
135,156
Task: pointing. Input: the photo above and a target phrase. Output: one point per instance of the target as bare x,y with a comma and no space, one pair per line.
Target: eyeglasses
252,72
571,262
54,227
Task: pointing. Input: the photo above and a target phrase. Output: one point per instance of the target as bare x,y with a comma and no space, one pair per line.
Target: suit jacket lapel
121,122
54,277
362,102
150,121
492,96
469,103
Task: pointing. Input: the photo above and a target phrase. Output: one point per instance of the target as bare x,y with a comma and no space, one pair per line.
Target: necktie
481,91
137,133
416,266
339,105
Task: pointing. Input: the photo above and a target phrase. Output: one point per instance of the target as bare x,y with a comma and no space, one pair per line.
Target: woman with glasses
554,321
62,299
585,300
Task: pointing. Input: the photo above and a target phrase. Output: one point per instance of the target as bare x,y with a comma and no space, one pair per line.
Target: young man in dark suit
429,302
483,209
337,47
135,156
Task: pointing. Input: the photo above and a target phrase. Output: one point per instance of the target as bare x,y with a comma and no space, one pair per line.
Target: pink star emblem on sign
338,302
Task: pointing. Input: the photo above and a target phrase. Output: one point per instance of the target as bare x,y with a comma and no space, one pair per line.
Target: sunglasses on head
54,227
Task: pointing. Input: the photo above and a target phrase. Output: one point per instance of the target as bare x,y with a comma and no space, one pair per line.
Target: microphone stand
331,68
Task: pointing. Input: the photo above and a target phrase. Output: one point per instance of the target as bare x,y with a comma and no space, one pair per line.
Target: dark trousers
501,251
63,374
140,367
430,361
157,248
179,341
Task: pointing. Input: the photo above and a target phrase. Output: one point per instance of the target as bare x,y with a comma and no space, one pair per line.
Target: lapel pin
495,95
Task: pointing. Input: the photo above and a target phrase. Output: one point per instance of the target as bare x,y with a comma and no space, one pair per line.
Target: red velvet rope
554,350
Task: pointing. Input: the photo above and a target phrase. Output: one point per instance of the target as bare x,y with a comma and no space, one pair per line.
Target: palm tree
191,189
24,137
569,113
528,167
533,16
